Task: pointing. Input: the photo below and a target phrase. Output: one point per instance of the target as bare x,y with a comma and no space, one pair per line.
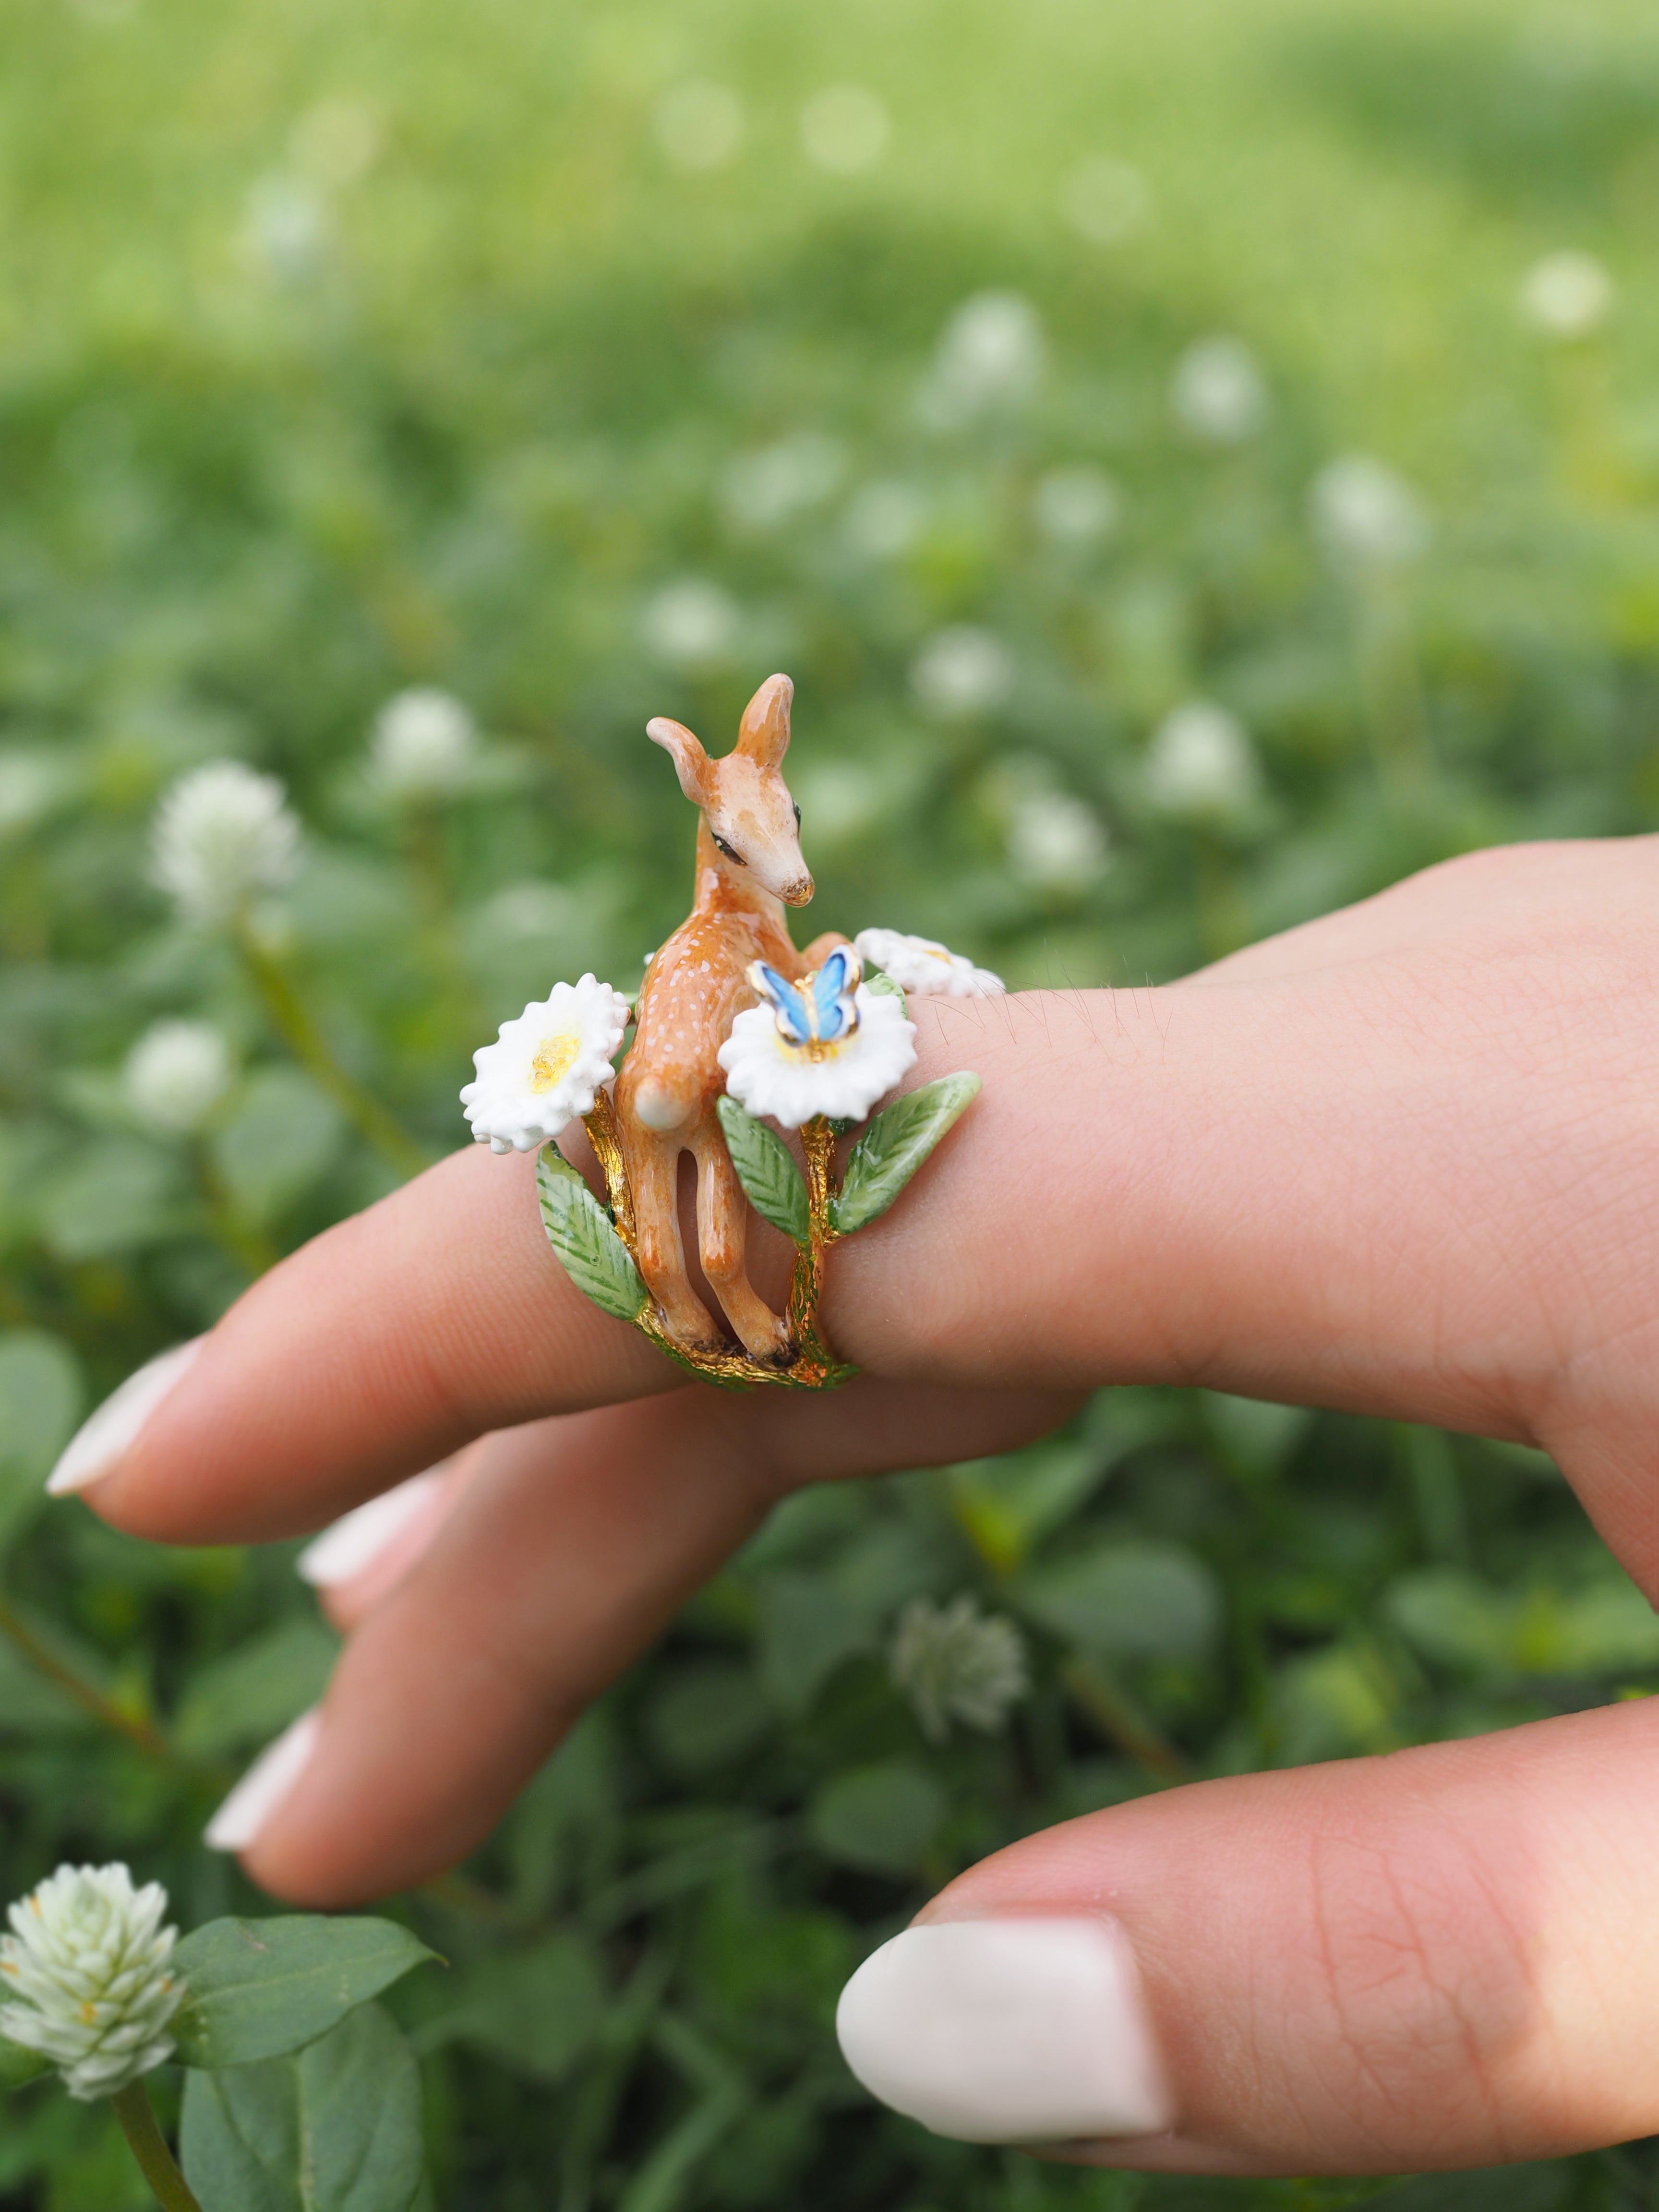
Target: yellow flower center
554,1060
815,1049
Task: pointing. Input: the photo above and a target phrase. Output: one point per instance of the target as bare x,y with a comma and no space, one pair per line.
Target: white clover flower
176,1074
223,835
425,743
545,1067
1217,392
285,231
955,1663
962,672
882,519
1105,201
1200,764
692,625
1056,841
1367,515
991,357
771,1073
1077,506
922,964
699,125
87,1970
844,129
1567,295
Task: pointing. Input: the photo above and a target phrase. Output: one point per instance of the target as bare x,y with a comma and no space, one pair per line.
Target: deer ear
691,761
764,733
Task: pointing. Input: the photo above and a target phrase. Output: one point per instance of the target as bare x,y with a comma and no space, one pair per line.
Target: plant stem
147,1738
293,1021
149,2146
1117,1718
250,1246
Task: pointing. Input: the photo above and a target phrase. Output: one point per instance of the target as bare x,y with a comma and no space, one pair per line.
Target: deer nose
800,892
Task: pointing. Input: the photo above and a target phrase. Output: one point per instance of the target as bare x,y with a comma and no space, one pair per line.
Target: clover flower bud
224,834
87,1969
425,743
954,1663
176,1074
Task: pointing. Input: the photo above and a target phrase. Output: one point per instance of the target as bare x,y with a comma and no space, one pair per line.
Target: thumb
1443,1957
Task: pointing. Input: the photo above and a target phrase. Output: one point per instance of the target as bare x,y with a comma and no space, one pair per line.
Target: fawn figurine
748,869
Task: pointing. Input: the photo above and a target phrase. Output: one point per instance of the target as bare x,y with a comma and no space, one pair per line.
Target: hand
1403,1161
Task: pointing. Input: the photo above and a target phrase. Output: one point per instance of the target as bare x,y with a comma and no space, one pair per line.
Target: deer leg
653,1173
722,1224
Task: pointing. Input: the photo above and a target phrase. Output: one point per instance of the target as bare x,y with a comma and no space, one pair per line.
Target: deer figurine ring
734,1030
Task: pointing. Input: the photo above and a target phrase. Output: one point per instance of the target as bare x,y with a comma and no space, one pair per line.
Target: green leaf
260,1987
41,1396
1133,1600
18,2066
535,2010
894,1146
880,1818
253,1694
334,2127
581,1233
766,1169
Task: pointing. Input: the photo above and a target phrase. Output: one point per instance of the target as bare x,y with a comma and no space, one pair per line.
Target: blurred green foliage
534,353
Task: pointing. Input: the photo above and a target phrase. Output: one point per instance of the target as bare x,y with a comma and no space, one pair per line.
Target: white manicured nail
352,1544
1007,2030
268,1782
112,1430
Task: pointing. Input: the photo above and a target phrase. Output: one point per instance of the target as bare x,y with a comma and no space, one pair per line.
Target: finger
571,1544
361,1558
1444,1958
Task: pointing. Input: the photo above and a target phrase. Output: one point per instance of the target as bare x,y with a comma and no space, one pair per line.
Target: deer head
744,798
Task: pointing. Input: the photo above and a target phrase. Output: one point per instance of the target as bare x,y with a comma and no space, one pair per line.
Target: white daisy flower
87,1969
923,965
827,1045
544,1068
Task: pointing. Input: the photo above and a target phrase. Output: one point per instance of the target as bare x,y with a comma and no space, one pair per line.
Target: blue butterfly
820,1009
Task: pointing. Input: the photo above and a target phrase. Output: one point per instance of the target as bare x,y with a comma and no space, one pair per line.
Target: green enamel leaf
894,1146
882,983
581,1232
766,1169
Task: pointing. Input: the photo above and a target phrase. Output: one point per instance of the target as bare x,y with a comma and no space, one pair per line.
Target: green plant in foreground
297,2085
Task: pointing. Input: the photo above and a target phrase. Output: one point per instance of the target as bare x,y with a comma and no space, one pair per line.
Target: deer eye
796,804
729,851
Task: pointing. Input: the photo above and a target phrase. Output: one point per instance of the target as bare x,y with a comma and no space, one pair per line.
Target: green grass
467,434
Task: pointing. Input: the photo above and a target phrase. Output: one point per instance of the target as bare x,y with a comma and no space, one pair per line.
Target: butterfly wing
790,1005
833,1007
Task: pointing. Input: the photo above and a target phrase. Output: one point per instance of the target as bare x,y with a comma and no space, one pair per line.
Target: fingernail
266,1784
112,1430
1007,2030
351,1545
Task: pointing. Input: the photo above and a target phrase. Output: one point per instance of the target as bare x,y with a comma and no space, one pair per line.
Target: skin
1404,1160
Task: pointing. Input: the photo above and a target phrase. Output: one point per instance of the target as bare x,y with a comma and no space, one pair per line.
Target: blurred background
1198,463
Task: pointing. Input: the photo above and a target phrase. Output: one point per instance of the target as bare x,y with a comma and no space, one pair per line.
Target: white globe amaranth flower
1056,840
87,1973
1200,764
962,672
545,1066
1077,506
845,128
923,965
1567,295
955,1663
224,835
990,359
1367,515
692,625
176,1074
425,743
1217,392
771,1074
